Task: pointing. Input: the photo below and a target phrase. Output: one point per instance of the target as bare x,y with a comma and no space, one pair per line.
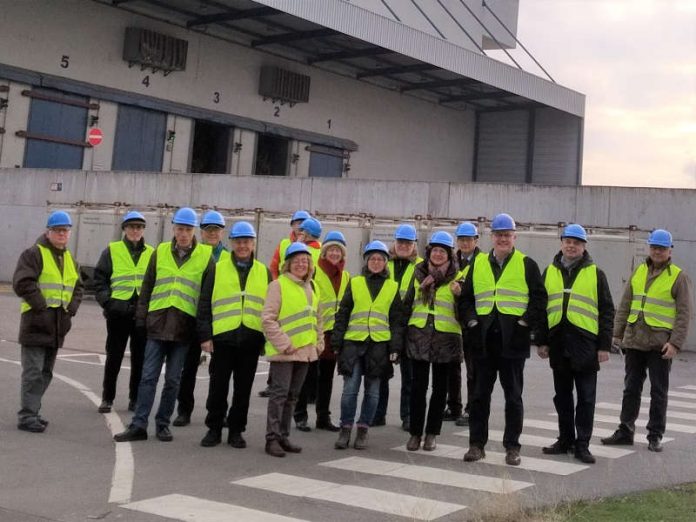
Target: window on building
211,145
140,137
271,156
326,162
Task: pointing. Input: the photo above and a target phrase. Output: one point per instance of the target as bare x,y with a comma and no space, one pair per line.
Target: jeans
156,352
37,372
349,398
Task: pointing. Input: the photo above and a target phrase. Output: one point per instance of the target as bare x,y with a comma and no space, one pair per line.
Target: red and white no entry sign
95,136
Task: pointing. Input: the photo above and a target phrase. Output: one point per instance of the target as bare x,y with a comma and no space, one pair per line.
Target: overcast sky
635,60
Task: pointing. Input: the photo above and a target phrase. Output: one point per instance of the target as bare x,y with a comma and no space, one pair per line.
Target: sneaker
302,425
618,438
132,434
382,421
236,440
164,434
289,446
32,426
429,442
655,445
105,407
182,420
557,448
212,438
273,448
584,455
512,457
462,420
475,453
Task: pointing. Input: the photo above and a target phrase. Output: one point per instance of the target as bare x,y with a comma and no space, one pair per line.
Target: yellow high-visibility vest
232,306
368,317
126,276
328,298
583,304
509,295
442,310
57,288
657,304
407,276
297,316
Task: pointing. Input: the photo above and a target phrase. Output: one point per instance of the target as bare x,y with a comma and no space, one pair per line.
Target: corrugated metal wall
502,146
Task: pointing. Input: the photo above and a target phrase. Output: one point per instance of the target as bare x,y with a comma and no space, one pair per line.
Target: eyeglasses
59,230
503,234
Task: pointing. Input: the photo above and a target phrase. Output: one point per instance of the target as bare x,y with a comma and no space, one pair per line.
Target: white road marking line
673,414
355,496
679,428
427,474
555,467
688,387
122,478
683,395
596,432
536,441
192,509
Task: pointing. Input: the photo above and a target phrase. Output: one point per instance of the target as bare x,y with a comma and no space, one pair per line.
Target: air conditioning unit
158,51
287,86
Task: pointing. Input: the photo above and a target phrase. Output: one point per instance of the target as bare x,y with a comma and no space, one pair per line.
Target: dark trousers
188,380
236,361
470,377
639,363
118,331
320,377
286,383
438,397
511,373
574,422
37,373
454,389
405,402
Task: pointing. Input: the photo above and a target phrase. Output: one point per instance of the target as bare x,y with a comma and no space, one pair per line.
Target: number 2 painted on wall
276,111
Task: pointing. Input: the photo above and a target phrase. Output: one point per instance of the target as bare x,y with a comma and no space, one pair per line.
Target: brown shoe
429,443
475,453
512,457
413,443
289,446
274,449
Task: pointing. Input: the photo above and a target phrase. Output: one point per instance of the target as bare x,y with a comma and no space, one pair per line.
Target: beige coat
276,336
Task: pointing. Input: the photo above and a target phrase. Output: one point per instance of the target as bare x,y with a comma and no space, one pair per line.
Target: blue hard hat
376,246
242,229
503,222
575,231
213,217
311,226
467,229
185,216
300,215
660,237
336,236
132,217
59,218
296,248
405,231
442,238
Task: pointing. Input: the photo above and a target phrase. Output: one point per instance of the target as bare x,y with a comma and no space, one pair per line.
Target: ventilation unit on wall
155,50
286,86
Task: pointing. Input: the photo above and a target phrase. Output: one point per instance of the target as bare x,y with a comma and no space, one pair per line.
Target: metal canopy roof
340,37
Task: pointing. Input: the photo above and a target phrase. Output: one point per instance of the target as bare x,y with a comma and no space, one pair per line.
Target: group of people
311,319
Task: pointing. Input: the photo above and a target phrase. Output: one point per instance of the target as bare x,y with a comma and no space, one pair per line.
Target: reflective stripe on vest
442,310
406,277
368,317
658,306
126,276
510,294
583,305
231,306
57,288
297,316
328,299
179,286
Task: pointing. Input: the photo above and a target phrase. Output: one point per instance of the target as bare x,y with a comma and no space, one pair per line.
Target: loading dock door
325,162
140,135
55,118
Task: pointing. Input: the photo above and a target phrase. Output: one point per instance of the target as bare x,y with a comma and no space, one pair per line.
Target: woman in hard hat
331,279
367,336
433,339
293,329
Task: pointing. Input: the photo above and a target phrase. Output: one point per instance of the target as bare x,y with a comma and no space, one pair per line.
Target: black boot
324,423
212,438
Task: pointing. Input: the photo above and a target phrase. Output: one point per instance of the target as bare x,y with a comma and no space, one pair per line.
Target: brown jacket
276,336
42,326
640,336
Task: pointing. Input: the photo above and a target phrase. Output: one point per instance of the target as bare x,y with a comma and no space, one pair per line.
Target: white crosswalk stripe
672,414
193,509
673,403
555,467
536,441
679,428
413,507
688,387
597,432
683,395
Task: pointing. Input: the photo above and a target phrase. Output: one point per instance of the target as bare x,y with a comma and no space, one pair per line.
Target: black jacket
42,326
375,354
115,308
516,337
239,336
566,340
427,344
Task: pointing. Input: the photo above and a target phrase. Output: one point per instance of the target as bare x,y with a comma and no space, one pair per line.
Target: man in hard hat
229,319
503,304
651,326
118,277
212,228
403,258
467,248
279,253
47,279
167,307
580,314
